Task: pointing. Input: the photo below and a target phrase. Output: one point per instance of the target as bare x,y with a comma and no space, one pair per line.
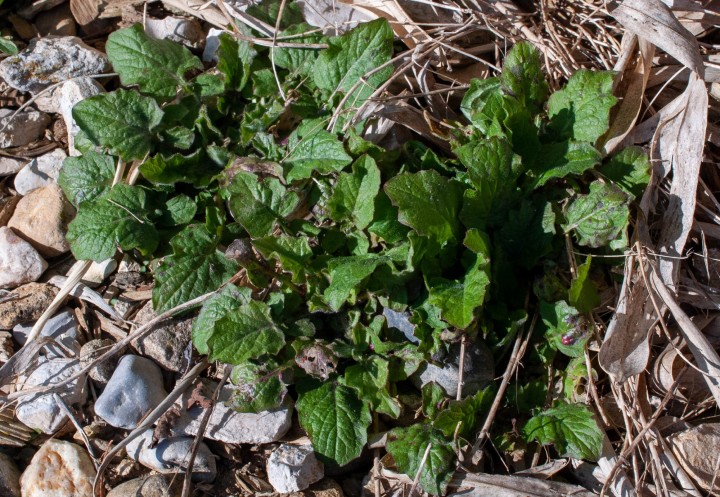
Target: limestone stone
40,171
19,262
58,469
167,343
72,92
22,129
42,218
27,303
291,468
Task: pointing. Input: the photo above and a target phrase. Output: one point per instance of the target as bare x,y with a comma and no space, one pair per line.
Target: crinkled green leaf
258,205
428,203
293,253
522,76
345,65
581,110
598,217
257,388
299,59
234,59
245,333
433,399
121,121
346,273
408,445
566,329
370,379
629,169
230,298
336,421
317,151
353,197
528,234
467,411
196,169
557,160
117,218
583,295
86,177
178,210
158,67
195,267
571,427
476,98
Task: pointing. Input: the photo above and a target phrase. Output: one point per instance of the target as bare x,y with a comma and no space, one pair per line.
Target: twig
187,484
149,419
458,395
419,471
63,406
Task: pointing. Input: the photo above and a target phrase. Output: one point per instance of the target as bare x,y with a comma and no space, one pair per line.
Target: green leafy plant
239,178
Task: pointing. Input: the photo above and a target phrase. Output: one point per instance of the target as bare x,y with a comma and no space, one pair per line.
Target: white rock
72,92
171,455
230,426
58,469
292,468
10,166
49,101
98,271
20,263
40,171
41,411
135,388
212,43
6,348
50,60
185,31
26,127
63,327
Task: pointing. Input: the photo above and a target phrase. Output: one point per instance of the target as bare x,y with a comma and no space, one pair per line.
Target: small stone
479,371
10,166
41,411
26,127
58,469
50,60
212,43
19,262
189,32
401,322
166,344
63,327
91,351
230,426
58,22
41,171
98,272
42,218
9,477
31,10
135,388
6,346
291,468
151,486
72,92
27,303
171,456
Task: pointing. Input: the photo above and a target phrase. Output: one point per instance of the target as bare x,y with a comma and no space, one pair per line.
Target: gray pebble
171,456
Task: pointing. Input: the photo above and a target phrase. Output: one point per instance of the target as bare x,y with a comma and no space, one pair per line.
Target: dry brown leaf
676,146
654,21
402,24
703,352
85,11
691,450
666,370
631,92
626,350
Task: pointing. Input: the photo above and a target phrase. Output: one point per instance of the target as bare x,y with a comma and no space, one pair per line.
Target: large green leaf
345,65
258,205
353,197
582,294
245,333
571,427
629,169
598,217
522,76
195,169
158,67
117,218
315,151
195,267
86,177
557,160
293,253
335,420
258,388
528,234
581,110
346,273
121,121
215,308
370,379
408,446
428,203
465,412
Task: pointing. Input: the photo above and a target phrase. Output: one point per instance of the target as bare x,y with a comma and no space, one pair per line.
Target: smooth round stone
58,469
